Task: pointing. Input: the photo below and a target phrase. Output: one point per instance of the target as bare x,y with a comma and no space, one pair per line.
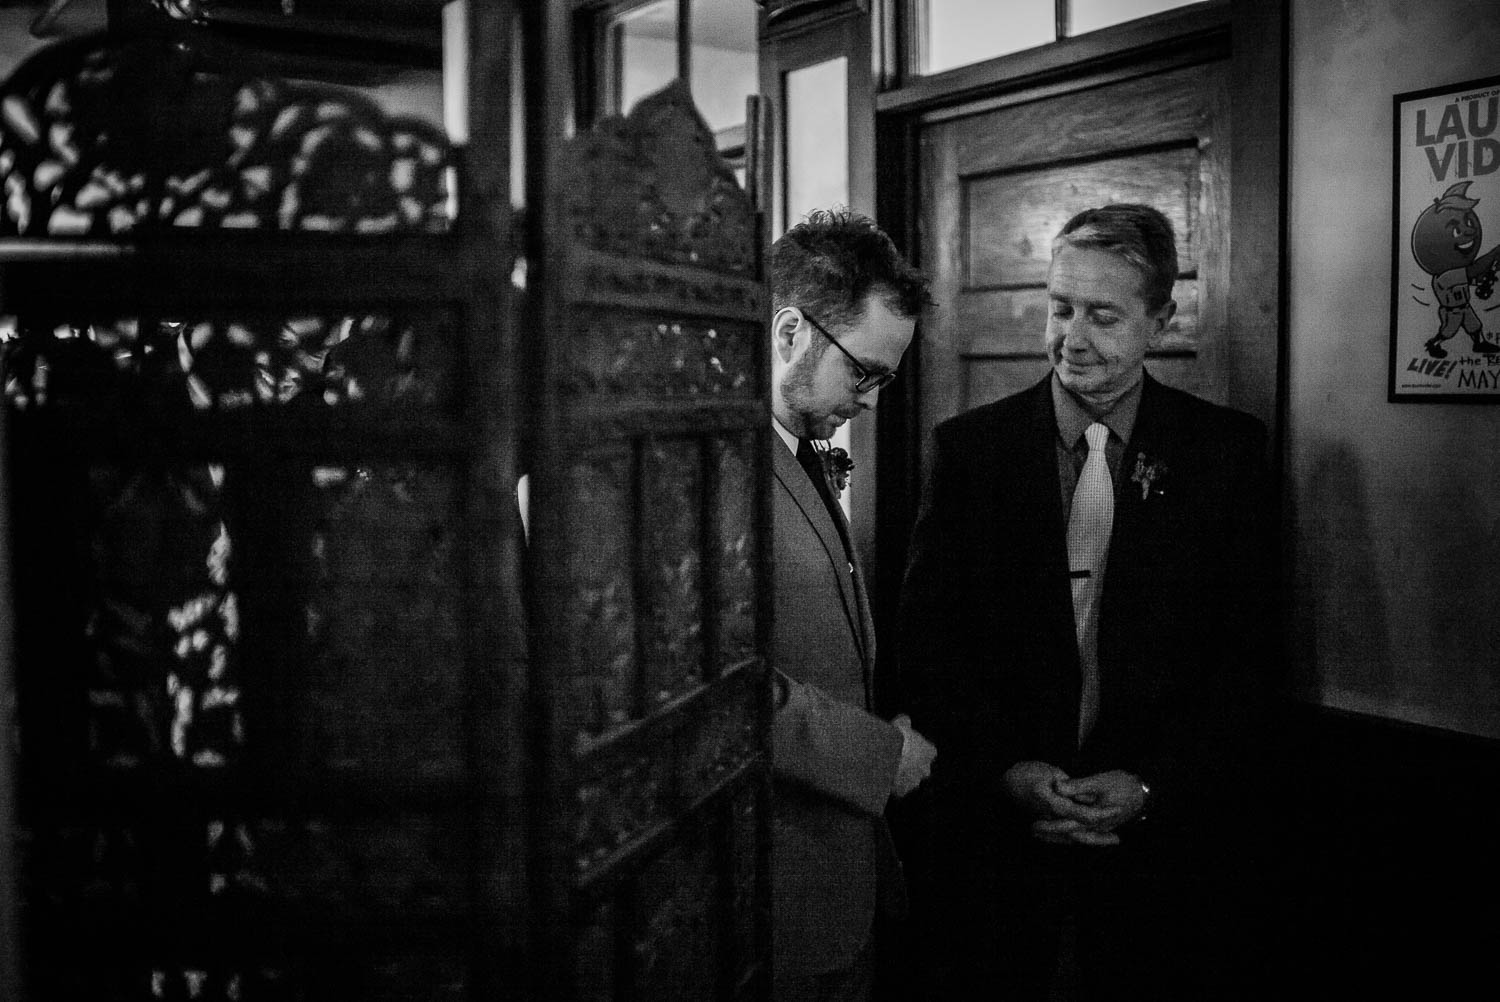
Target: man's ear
1163,318
784,332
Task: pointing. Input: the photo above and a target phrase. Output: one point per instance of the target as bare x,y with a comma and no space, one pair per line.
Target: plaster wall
1394,508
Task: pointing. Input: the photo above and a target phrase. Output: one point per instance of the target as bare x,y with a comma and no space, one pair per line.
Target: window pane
646,50
817,138
817,157
1091,15
724,72
960,32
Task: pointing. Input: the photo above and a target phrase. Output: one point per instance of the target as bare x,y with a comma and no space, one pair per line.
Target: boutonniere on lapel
838,465
1149,473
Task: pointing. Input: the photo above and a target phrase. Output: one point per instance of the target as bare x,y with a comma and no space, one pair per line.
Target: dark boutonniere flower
1148,473
838,465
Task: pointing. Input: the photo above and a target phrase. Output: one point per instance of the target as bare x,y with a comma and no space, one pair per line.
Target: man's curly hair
830,261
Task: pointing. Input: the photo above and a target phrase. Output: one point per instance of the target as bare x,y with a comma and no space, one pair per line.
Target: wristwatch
1145,798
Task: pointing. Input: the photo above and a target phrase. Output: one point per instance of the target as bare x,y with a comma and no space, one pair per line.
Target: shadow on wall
1394,613
1339,615
1450,678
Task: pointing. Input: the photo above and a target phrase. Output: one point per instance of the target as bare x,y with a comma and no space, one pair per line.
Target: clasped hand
1084,811
917,754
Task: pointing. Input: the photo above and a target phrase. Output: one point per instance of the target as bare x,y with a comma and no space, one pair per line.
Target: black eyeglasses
866,380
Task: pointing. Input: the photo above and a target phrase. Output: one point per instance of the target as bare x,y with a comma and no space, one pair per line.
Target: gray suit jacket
833,760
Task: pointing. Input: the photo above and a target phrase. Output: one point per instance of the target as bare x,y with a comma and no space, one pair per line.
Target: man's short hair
828,263
1137,233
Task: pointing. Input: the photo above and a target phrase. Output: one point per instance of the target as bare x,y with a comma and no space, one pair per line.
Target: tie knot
1096,435
811,461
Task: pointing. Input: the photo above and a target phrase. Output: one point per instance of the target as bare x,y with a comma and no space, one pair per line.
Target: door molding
1170,36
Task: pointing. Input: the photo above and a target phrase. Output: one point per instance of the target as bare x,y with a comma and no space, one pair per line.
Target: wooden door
997,186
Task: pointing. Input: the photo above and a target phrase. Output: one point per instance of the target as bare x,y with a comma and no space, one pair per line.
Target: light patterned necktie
1089,524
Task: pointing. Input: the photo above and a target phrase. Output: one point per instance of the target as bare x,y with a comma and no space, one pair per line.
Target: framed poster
1445,310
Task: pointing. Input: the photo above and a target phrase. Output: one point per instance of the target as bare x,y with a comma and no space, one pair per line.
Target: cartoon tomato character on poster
1445,242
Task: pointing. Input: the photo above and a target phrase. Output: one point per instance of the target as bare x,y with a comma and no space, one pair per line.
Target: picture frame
1445,308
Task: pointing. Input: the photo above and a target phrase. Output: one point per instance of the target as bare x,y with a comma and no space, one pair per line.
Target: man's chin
1070,373
1079,381
821,427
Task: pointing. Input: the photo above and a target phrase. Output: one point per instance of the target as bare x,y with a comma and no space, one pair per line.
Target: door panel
998,185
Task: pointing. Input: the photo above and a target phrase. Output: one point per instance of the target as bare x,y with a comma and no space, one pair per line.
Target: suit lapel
1154,437
1138,530
1025,519
793,479
1039,491
866,623
1043,492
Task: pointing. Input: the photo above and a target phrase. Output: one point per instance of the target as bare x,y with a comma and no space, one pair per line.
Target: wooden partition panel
648,537
265,546
302,714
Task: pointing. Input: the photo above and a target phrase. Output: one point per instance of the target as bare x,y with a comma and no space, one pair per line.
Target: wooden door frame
797,41
1254,33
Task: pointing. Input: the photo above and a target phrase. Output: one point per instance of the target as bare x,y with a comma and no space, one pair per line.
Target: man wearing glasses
845,306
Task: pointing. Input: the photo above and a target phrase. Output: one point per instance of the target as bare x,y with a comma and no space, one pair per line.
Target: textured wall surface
1395,508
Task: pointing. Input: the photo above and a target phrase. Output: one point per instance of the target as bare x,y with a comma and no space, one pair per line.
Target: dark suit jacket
989,659
833,761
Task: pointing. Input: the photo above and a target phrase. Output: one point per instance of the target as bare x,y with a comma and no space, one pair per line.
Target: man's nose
867,399
1075,336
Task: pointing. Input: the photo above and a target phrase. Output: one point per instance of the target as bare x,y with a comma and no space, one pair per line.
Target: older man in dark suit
845,305
1083,630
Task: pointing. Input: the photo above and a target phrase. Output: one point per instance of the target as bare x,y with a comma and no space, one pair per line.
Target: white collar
786,436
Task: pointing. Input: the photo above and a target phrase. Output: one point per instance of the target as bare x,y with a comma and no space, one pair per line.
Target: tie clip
1080,574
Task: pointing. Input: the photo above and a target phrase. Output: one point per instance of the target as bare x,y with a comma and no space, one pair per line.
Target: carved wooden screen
264,545
648,530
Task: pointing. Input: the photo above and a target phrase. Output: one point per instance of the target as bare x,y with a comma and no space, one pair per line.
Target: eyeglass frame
863,376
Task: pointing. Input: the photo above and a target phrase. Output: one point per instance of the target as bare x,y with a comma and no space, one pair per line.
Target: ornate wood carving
734,458
387,868
383,622
99,140
651,185
748,911
636,781
672,481
221,630
161,621
616,803
675,945
600,617
661,261
667,356
602,279
716,747
660,401
380,363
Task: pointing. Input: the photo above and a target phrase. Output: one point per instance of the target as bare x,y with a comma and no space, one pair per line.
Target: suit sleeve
926,600
834,748
937,658
1211,759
